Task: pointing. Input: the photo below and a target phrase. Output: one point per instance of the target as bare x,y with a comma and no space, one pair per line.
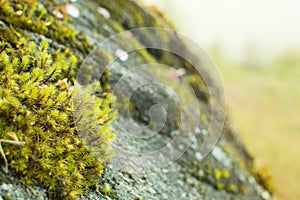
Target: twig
3,154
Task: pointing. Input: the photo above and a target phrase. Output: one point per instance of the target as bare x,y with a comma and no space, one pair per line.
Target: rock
173,171
11,188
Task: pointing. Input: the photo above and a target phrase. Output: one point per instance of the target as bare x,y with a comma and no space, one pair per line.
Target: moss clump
5,197
36,103
263,178
231,188
221,180
33,16
219,186
138,198
217,174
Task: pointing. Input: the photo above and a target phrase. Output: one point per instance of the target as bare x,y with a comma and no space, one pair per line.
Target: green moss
231,188
263,178
225,173
138,198
36,104
33,16
221,180
5,197
243,189
106,191
134,18
217,174
219,186
36,101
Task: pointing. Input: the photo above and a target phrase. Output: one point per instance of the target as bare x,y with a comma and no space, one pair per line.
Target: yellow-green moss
263,178
138,198
222,180
217,174
36,103
5,197
33,16
231,188
219,185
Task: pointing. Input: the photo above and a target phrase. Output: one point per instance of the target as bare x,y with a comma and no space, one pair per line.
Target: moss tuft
33,16
263,178
5,197
36,103
231,188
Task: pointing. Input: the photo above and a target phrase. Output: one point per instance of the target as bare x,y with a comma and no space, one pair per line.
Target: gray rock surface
226,173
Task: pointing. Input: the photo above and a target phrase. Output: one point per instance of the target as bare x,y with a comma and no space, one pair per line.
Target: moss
138,198
221,180
12,141
134,18
36,101
107,189
217,174
219,186
263,178
36,104
231,188
225,148
34,16
5,197
243,189
225,173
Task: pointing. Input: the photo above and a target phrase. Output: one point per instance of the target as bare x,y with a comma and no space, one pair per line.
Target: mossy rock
41,49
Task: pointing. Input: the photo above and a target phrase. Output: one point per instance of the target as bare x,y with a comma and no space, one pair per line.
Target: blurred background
256,47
